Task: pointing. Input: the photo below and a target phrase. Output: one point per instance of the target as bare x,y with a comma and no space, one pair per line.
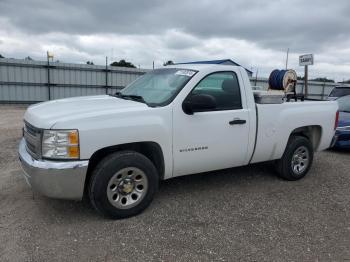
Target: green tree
322,79
169,62
90,63
1,56
123,63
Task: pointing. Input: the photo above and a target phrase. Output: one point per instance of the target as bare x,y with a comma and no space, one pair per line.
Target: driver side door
214,138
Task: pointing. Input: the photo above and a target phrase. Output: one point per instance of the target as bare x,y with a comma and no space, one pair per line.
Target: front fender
98,132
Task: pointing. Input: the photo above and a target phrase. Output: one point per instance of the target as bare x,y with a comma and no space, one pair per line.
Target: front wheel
123,184
296,160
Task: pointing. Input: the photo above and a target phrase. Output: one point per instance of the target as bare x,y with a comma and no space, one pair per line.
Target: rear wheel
123,184
296,160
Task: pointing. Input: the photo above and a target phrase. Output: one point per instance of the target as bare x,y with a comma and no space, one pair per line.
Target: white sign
185,72
305,60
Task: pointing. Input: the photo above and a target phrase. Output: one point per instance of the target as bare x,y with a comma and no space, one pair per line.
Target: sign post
306,60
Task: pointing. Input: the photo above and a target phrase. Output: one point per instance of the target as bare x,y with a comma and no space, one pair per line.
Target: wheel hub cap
300,160
127,188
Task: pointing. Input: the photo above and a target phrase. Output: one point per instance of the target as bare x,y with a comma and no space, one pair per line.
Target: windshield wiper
131,97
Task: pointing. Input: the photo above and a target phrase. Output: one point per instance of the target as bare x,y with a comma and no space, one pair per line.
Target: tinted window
340,91
344,104
224,87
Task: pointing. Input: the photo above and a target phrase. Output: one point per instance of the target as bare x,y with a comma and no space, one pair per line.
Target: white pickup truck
174,121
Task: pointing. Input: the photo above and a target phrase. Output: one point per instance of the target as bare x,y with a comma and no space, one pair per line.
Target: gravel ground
241,214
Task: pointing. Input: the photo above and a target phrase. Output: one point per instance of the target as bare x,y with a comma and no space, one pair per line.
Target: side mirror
198,103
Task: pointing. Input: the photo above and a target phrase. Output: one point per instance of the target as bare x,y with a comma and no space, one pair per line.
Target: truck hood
47,114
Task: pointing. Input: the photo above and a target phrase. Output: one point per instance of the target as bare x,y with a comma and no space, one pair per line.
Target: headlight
60,144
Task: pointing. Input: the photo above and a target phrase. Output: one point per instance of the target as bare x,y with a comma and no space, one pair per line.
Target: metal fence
316,90
23,81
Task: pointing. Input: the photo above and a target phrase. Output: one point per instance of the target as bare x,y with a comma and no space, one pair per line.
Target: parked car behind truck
342,135
170,122
339,91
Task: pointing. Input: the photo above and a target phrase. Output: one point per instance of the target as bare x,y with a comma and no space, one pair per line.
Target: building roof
220,61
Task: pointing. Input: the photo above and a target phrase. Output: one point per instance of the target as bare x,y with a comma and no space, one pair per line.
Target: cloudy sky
253,33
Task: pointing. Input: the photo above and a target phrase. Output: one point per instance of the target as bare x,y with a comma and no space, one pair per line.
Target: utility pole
323,87
153,65
106,75
48,56
287,58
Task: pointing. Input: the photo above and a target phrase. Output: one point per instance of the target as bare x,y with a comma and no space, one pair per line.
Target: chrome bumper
64,180
334,140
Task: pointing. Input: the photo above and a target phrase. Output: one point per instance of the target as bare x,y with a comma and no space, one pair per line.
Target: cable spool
283,80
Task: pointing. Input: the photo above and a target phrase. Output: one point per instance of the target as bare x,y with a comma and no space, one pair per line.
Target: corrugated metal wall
31,81
316,90
24,81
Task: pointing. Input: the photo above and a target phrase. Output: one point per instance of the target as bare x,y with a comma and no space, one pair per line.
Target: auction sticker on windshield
185,72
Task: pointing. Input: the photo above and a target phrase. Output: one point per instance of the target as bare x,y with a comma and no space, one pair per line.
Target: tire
123,184
296,160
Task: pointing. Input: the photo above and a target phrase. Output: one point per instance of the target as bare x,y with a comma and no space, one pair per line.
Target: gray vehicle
339,91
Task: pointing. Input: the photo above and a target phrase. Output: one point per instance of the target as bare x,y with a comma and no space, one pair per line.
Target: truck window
160,86
224,87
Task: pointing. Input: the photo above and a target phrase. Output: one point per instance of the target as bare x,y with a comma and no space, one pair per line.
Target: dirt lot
239,214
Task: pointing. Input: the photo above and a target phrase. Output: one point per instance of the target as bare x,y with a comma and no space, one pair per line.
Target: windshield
344,104
159,87
340,91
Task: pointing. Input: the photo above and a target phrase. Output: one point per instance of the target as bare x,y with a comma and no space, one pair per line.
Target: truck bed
276,121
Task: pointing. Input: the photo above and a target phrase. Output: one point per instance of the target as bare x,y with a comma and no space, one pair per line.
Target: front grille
32,136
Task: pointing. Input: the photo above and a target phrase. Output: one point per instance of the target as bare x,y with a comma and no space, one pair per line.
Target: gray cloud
180,30
278,24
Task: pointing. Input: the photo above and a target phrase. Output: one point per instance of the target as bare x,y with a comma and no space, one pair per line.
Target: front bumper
56,179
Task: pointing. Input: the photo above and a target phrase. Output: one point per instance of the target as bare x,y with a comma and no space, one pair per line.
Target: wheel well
313,133
149,149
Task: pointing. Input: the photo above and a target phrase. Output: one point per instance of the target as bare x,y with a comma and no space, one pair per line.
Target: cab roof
202,67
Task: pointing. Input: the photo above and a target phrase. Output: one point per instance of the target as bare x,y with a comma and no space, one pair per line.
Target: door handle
237,121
